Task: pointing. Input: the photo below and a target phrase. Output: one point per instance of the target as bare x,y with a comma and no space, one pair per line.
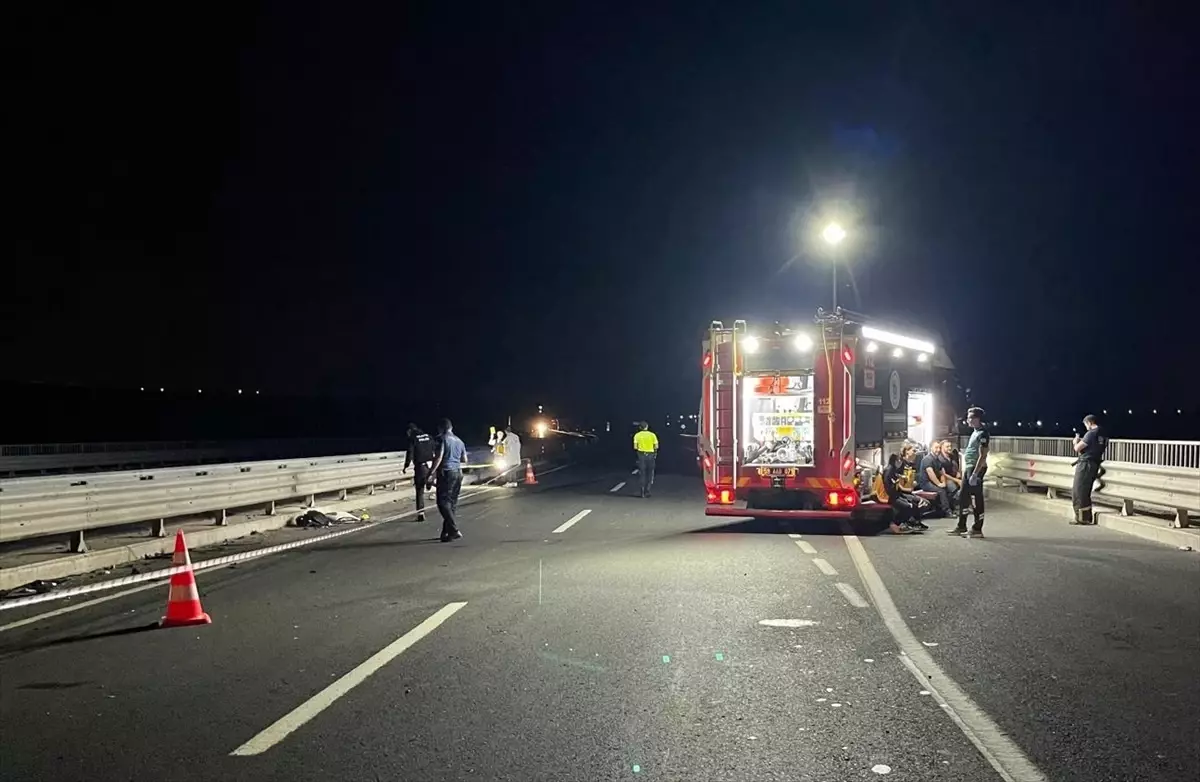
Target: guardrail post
1126,507
78,544
395,485
1051,494
219,517
158,528
342,494
1182,520
310,501
371,490
1022,487
270,509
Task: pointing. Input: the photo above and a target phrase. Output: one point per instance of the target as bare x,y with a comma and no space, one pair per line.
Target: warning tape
203,565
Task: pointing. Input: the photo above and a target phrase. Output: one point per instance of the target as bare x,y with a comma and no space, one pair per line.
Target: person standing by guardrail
974,468
645,443
450,454
420,456
1090,448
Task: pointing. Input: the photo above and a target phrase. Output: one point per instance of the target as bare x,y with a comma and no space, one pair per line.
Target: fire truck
791,418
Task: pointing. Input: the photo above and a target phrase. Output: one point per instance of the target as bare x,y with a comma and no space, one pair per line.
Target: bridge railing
1156,453
73,504
1124,484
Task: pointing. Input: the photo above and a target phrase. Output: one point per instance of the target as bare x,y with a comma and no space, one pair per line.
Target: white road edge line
617,488
806,547
155,578
1000,751
852,595
571,521
824,566
793,536
285,725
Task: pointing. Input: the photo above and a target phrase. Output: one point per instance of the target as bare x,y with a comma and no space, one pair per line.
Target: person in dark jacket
420,456
1090,449
905,505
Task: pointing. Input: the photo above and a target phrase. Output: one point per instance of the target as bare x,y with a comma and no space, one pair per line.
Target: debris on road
317,518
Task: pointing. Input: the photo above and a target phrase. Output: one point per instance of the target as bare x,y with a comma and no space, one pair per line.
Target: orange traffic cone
530,478
183,602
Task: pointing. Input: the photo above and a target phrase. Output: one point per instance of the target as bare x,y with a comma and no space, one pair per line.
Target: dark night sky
520,201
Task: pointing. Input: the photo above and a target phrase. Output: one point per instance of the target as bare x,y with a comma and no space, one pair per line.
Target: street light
833,236
833,233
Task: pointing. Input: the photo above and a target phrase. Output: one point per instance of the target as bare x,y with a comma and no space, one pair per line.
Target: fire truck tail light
707,463
841,498
848,464
712,496
847,355
707,362
720,496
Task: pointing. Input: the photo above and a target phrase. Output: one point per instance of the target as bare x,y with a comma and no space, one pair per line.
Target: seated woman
906,506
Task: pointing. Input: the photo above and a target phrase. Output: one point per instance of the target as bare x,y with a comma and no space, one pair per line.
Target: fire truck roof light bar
919,345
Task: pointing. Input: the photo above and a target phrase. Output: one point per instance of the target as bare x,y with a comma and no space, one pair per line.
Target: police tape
229,559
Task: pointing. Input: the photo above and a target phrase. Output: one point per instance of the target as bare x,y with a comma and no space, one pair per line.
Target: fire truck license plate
777,472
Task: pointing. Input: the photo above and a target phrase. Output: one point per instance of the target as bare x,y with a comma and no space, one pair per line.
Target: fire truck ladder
724,405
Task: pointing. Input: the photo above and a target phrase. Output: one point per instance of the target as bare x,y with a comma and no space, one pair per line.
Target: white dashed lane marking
824,567
617,488
806,547
571,521
852,595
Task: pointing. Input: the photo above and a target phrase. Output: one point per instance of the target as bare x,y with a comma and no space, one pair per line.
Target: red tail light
841,498
726,496
848,355
720,497
848,464
707,463
707,362
712,496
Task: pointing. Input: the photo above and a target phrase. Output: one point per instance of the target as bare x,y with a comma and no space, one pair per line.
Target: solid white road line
806,547
1010,762
571,521
852,595
824,567
617,488
278,731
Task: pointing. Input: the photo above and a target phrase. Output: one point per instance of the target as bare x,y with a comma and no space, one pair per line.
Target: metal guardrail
43,457
1157,453
72,504
1124,484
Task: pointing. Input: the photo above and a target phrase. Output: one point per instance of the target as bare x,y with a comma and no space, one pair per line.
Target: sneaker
921,525
957,531
897,529
420,517
975,533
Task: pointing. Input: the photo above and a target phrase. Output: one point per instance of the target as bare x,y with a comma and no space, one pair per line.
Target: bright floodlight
804,342
919,345
750,344
833,233
897,353
872,347
923,357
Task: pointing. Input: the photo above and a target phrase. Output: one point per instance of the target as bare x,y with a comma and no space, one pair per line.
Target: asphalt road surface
637,641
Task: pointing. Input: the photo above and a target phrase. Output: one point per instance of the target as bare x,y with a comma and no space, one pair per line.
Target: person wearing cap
974,468
1090,449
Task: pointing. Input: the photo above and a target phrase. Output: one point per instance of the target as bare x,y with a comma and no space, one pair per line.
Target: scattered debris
316,518
38,587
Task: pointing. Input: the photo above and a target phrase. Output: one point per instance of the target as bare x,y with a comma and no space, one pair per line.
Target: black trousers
904,509
1086,471
449,484
420,478
646,470
945,496
971,497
